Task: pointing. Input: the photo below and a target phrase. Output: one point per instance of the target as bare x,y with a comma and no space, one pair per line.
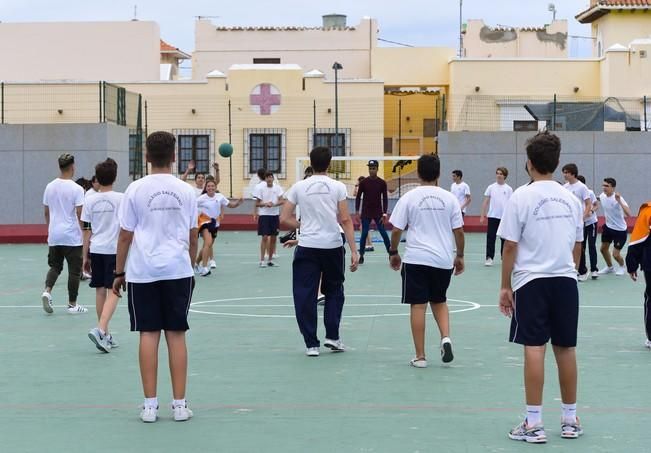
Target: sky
415,22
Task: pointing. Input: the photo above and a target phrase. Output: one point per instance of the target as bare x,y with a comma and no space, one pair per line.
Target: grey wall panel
11,195
65,137
11,137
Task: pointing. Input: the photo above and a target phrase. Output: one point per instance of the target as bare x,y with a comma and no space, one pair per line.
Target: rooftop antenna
460,28
206,17
552,9
135,12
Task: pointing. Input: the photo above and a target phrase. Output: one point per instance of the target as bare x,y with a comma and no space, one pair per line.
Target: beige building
218,48
482,41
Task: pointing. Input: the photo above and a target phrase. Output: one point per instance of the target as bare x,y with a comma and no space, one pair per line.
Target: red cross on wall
265,96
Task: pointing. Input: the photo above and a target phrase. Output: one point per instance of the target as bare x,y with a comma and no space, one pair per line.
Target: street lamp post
337,66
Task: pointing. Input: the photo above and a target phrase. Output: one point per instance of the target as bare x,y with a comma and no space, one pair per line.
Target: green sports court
252,389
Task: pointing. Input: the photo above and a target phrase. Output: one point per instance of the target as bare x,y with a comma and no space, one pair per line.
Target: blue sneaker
101,341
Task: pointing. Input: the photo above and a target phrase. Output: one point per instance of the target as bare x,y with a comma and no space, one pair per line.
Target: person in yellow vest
639,256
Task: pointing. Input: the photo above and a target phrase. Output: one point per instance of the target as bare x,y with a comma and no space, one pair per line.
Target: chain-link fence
560,113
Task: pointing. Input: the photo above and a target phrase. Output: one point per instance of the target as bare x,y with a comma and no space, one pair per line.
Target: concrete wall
125,51
625,156
29,162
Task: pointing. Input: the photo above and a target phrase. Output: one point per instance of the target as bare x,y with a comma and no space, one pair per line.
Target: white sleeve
510,228
291,195
487,193
128,217
45,195
579,223
80,196
85,215
585,194
342,194
467,190
194,212
624,201
456,217
400,215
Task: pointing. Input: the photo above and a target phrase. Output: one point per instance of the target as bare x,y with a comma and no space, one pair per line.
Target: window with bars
265,151
336,142
194,147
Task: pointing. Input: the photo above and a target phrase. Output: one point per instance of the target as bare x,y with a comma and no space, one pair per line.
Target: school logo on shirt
318,188
102,207
164,204
551,211
431,203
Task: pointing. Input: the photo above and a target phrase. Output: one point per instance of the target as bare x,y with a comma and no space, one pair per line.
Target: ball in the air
225,150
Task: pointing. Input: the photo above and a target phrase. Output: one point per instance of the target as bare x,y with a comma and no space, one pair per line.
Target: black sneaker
446,350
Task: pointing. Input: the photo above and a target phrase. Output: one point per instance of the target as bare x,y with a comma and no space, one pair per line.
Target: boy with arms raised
158,231
542,227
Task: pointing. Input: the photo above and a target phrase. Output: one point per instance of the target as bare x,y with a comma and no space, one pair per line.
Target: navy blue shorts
618,238
160,305
268,225
546,308
211,227
422,284
102,267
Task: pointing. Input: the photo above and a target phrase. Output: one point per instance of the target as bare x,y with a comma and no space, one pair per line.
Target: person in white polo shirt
543,229
434,250
268,199
495,198
461,190
63,200
320,253
615,230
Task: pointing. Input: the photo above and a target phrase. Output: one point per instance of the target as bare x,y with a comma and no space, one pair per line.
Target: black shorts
618,238
546,308
268,225
422,284
161,305
103,267
211,227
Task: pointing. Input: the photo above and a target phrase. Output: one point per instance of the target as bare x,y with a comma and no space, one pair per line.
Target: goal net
399,172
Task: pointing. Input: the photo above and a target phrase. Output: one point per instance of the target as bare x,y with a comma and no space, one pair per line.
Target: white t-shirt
160,210
593,217
614,213
212,206
579,190
90,192
499,194
101,211
546,221
198,191
62,197
460,191
268,194
318,197
431,213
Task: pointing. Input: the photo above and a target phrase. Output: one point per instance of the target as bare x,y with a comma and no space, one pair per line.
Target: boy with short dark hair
158,231
639,256
267,196
434,250
101,228
542,227
615,230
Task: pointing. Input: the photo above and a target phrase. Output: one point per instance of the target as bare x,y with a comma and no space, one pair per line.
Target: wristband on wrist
393,252
118,274
459,255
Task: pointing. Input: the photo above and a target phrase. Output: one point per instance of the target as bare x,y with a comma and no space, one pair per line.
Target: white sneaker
334,345
621,270
86,276
312,352
46,299
204,271
594,274
606,270
418,362
181,413
77,309
275,256
212,264
583,277
488,262
647,344
149,414
197,269
263,264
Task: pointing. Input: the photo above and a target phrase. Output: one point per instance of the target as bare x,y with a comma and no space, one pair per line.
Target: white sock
151,402
177,403
569,412
534,415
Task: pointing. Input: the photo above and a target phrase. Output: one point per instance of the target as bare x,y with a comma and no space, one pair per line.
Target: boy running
615,230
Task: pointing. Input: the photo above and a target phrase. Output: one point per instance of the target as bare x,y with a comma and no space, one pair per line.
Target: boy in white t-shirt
495,198
62,201
267,196
101,228
543,229
433,251
210,207
615,230
158,232
589,238
460,190
320,254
